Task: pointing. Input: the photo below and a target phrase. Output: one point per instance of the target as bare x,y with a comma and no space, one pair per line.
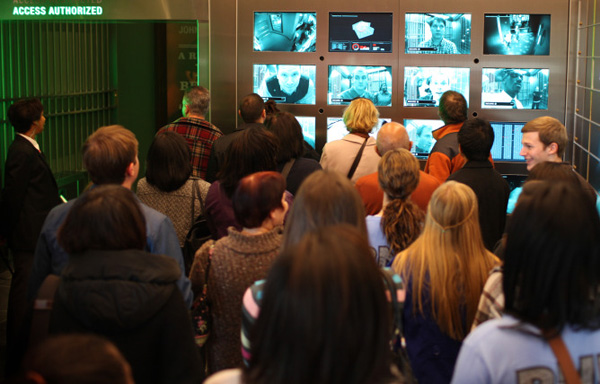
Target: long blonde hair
449,261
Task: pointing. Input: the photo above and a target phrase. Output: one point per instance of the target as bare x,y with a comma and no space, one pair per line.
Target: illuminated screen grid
437,33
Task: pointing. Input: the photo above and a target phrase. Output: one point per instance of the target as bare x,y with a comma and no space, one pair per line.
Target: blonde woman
360,117
400,221
445,270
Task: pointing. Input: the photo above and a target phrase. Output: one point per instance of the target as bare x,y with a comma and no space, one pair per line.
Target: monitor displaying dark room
507,141
347,82
420,132
438,33
336,129
285,31
308,124
360,32
514,88
516,34
285,83
423,86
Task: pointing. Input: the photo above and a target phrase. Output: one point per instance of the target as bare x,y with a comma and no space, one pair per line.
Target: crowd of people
352,267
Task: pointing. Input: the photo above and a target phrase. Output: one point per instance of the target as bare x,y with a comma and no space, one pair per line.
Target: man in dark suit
29,193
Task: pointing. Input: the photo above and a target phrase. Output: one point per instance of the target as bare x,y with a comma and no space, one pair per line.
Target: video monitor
423,86
336,129
285,31
438,33
507,141
420,132
516,34
308,124
360,32
514,88
347,82
285,83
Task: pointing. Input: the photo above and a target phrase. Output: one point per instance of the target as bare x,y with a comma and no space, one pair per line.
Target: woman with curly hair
400,220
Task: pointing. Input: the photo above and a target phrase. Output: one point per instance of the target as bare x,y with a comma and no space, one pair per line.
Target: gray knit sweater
238,260
176,205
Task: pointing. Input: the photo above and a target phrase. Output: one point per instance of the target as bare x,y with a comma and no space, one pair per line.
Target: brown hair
324,198
107,217
550,130
402,221
256,196
108,152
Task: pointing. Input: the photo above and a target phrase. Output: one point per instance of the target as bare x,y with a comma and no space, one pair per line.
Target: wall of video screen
314,61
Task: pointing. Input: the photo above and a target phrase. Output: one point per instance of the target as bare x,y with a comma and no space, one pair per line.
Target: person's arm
198,269
250,310
165,242
438,165
16,178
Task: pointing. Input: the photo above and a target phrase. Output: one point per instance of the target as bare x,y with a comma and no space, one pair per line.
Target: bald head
392,136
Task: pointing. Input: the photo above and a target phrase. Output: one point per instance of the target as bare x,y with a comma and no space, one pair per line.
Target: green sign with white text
103,10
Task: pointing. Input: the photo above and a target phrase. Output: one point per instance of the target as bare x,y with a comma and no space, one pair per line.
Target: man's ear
410,144
263,114
130,171
552,148
239,113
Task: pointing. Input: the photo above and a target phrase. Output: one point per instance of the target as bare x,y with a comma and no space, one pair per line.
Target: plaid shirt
491,302
200,136
445,47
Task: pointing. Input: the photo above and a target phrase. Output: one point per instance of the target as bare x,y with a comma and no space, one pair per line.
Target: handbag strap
287,167
357,159
196,192
564,358
210,255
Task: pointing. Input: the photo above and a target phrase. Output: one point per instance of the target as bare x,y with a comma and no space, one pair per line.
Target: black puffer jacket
131,298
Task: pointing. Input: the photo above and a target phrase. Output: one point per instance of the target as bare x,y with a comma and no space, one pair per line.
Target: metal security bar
586,119
67,66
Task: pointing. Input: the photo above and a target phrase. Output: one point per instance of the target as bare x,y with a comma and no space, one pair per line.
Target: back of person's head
271,107
398,175
256,196
550,130
476,137
324,198
253,150
108,152
168,164
552,258
251,108
75,359
288,130
453,108
553,171
197,98
391,136
23,113
324,315
449,260
107,217
361,115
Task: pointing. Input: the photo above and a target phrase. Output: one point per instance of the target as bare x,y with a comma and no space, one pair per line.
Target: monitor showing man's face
513,83
437,30
288,77
360,80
